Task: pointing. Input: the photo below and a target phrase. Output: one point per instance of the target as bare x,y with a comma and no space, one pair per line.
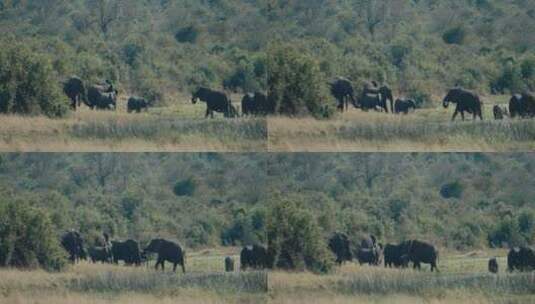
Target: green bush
454,35
185,188
27,238
452,190
295,240
296,84
27,83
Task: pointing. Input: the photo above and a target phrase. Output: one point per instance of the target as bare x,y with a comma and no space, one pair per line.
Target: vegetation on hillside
458,201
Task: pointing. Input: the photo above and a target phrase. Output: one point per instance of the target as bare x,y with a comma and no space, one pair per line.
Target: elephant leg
462,115
174,267
183,267
207,113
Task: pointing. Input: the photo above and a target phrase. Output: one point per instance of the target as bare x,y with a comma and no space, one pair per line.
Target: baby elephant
136,104
229,264
493,265
499,113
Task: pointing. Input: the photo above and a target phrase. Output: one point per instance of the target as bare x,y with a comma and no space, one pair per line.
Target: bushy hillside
461,201
419,47
167,46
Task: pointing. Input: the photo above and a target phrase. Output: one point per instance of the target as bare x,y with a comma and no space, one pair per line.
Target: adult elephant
393,256
368,102
404,105
75,89
255,257
521,259
248,105
522,105
383,92
74,245
100,254
340,246
420,252
370,256
466,101
101,100
167,251
127,251
215,102
342,90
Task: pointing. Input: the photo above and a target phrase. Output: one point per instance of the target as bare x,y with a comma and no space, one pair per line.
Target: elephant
215,102
384,93
256,104
340,246
370,256
101,100
392,256
493,265
522,105
229,264
75,89
255,257
343,91
521,259
369,242
74,245
466,101
420,252
499,113
369,101
404,105
136,104
127,251
167,251
100,254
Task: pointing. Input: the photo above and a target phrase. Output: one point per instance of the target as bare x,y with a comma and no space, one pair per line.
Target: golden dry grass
180,127
426,130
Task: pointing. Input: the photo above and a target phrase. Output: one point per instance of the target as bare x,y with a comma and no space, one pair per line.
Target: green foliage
185,188
27,83
455,35
452,190
296,84
295,240
188,34
27,238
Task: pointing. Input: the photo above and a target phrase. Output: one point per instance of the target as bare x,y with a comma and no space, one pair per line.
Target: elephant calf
493,265
100,254
229,264
136,104
404,105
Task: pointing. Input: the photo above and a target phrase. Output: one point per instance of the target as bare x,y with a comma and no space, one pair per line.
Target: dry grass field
426,130
463,279
177,128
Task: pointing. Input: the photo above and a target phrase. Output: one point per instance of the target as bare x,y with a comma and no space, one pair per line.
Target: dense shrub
185,188
27,83
296,85
454,35
295,240
27,238
452,190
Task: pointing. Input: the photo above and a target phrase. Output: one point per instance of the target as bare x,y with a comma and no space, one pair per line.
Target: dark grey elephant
75,89
493,265
499,113
73,243
340,246
384,92
342,90
137,104
522,105
255,257
101,100
420,252
404,105
127,251
229,264
100,254
215,102
466,101
521,259
167,251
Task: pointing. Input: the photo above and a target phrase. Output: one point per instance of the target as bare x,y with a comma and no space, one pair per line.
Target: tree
27,238
27,83
295,240
295,83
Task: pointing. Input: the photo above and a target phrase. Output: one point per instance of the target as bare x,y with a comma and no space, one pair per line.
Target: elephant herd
99,96
129,251
252,104
373,253
379,97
